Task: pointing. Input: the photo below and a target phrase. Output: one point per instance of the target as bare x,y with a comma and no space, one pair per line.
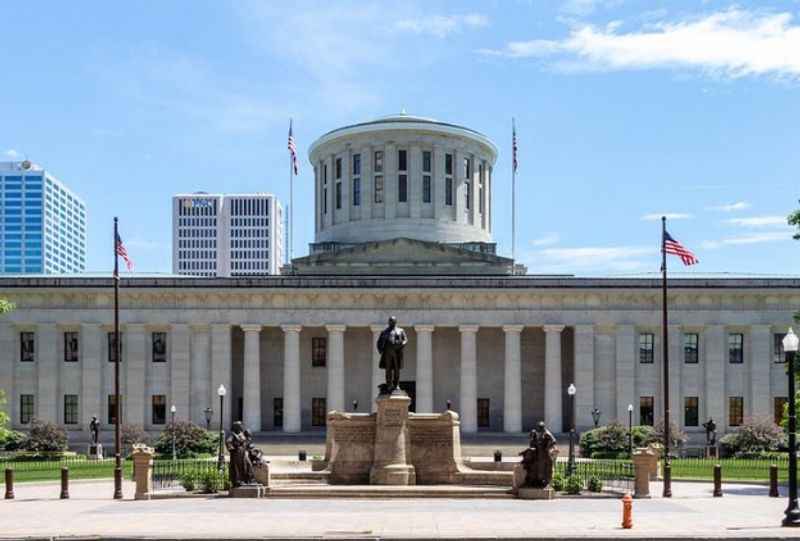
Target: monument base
711,451
95,451
530,493
391,461
247,491
394,474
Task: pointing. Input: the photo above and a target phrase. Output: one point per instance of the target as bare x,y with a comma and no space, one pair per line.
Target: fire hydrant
627,512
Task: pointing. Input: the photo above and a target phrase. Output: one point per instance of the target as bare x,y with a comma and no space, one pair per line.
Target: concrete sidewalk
744,512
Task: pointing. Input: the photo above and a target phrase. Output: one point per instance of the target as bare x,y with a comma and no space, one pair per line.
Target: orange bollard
627,512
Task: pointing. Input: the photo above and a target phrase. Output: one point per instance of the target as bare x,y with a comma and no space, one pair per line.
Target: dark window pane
646,348
338,168
402,188
26,347
448,191
736,348
690,411
159,405
483,413
70,409
159,347
356,165
25,408
735,410
646,410
378,167
379,189
691,349
70,347
426,161
778,355
401,160
319,351
426,189
356,192
277,412
448,164
318,412
338,195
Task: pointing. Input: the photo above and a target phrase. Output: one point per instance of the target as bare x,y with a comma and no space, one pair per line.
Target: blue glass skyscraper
42,223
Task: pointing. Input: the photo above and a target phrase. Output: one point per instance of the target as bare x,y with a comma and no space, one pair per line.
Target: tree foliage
611,441
190,440
5,306
44,436
755,437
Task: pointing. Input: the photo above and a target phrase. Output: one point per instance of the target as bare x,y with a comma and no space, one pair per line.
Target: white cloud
668,215
730,207
759,221
11,153
548,239
732,43
441,26
758,238
595,259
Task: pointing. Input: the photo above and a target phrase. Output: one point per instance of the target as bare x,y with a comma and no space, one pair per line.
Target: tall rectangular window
691,412
427,161
159,347
448,192
448,164
402,188
427,169
401,160
70,347
778,408
325,200
159,409
338,195
735,410
112,409
70,409
646,347
356,165
691,348
778,355
468,194
318,411
25,408
736,348
277,412
426,188
356,192
483,413
646,410
379,188
378,161
26,347
319,351
338,168
112,350
467,168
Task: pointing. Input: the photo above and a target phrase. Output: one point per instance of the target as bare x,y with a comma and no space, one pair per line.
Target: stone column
424,368
291,378
512,395
90,359
252,377
715,359
179,347
200,375
759,362
8,360
335,398
625,371
45,351
469,379
584,376
553,386
221,371
134,341
378,375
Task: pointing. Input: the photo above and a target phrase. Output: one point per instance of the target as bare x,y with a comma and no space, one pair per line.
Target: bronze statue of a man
711,432
538,459
238,445
390,345
94,428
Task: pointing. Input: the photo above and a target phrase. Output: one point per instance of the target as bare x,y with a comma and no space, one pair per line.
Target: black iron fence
617,473
200,474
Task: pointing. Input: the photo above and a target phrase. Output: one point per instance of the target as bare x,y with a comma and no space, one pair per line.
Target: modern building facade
226,235
500,347
43,222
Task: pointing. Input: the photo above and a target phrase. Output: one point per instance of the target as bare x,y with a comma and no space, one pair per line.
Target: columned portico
252,377
336,367
424,368
553,386
512,398
469,379
291,378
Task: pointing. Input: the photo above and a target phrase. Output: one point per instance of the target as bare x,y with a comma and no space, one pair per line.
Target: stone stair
315,491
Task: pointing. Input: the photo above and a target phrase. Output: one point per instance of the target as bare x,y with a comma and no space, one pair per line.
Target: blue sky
624,109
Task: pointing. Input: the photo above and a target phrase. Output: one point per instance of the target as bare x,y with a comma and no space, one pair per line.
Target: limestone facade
501,349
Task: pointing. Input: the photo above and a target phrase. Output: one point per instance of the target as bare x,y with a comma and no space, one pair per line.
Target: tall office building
226,235
43,223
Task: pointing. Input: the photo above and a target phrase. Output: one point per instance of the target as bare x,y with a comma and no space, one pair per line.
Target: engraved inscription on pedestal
391,464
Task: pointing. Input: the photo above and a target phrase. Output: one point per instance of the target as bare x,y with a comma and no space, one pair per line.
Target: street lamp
790,345
209,413
221,459
630,430
571,464
173,410
596,417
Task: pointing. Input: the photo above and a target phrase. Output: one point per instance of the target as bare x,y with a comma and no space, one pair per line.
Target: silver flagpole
513,191
291,200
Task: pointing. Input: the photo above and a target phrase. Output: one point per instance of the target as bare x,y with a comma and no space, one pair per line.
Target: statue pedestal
711,451
390,465
95,451
530,493
247,491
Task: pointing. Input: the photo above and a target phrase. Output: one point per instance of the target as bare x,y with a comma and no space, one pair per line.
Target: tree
5,306
5,420
45,437
755,437
190,440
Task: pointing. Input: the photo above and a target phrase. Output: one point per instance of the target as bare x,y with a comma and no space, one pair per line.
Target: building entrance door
410,387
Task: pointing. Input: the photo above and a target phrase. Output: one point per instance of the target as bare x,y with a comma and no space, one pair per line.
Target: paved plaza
744,512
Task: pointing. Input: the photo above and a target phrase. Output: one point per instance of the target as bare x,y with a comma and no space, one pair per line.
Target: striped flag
514,161
123,253
293,150
672,246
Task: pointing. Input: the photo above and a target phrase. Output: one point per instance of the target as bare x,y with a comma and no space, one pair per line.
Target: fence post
773,481
9,484
64,483
643,460
143,468
717,481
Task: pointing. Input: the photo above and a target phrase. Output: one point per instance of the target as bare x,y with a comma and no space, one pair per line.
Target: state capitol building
403,226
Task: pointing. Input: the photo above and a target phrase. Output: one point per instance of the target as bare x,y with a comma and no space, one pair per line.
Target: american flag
293,150
672,246
514,145
123,253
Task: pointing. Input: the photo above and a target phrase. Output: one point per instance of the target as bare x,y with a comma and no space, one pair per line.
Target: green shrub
12,440
558,482
131,434
573,485
753,439
611,441
191,441
210,482
44,436
189,481
677,436
595,484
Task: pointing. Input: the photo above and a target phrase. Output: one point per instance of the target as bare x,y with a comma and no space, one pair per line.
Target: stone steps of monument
301,478
384,492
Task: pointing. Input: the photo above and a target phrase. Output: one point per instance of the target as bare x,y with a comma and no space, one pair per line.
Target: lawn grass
50,470
733,469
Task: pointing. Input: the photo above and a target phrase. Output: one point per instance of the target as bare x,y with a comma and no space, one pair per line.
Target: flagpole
513,194
117,421
665,359
291,201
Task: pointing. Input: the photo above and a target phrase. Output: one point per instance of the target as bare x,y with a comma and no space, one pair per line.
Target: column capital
291,327
251,327
468,328
424,328
376,328
553,328
513,328
336,328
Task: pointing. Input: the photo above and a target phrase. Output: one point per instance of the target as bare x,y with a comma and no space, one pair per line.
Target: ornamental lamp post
790,346
173,410
221,459
209,412
630,430
596,417
571,390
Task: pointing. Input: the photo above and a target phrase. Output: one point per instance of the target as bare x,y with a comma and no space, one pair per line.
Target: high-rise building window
159,347
112,350
112,409
25,408
319,351
691,348
646,347
778,408
646,410
691,411
26,347
735,410
159,409
736,348
70,409
379,188
70,347
778,355
402,188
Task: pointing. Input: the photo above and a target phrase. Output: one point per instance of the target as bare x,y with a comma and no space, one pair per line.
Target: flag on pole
514,162
123,253
672,246
293,150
